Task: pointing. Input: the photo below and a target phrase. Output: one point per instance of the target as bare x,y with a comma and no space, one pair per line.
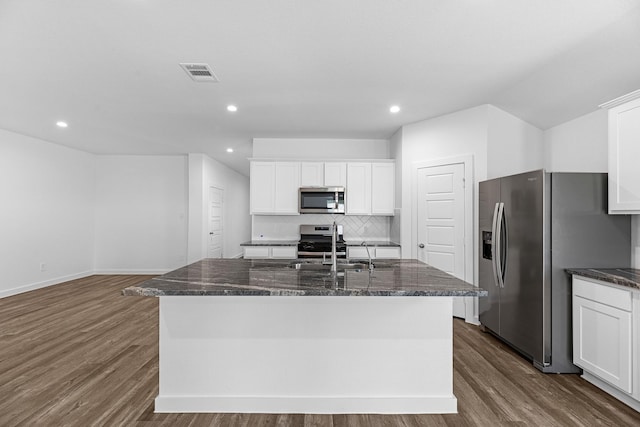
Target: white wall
395,149
320,148
140,221
579,145
500,144
46,213
457,134
513,145
205,172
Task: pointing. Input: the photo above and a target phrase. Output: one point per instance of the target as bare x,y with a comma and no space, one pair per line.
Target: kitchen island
289,337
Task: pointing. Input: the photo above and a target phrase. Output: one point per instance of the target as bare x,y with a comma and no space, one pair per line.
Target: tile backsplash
271,227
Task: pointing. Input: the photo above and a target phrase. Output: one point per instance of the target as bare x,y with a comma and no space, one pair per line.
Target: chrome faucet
364,243
334,238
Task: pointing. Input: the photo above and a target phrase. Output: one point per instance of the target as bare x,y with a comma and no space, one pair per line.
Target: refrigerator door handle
498,244
494,244
503,250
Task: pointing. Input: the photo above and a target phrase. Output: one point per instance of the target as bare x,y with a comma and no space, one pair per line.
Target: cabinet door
358,190
335,174
624,152
262,187
388,252
284,252
287,184
311,174
382,188
256,252
602,341
359,252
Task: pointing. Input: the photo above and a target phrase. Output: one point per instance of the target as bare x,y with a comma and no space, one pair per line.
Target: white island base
306,354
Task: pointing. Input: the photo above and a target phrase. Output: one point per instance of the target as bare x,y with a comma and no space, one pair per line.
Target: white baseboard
308,404
618,394
134,272
473,320
43,284
238,256
58,280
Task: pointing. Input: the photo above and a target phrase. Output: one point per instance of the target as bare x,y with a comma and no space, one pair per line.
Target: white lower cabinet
376,252
270,252
605,335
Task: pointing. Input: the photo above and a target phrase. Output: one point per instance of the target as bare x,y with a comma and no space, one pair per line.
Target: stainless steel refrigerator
532,226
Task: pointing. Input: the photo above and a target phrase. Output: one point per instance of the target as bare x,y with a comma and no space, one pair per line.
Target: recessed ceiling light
394,109
232,108
62,124
229,150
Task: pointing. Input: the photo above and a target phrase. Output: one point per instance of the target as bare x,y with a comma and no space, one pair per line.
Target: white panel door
216,204
441,221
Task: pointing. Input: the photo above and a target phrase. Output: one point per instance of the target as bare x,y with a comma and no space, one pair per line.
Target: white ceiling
300,68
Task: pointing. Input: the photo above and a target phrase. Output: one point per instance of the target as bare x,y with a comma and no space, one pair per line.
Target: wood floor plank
80,354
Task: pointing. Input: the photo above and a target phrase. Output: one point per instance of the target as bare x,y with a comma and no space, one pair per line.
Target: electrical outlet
43,266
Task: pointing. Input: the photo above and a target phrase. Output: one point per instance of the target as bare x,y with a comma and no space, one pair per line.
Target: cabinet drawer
602,293
391,252
359,252
288,252
256,252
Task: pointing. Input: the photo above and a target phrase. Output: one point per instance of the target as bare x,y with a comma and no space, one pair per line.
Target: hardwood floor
80,354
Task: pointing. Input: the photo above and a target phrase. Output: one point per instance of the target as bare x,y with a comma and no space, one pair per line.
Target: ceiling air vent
200,72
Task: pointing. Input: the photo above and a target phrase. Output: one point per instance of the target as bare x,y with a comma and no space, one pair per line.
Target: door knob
421,245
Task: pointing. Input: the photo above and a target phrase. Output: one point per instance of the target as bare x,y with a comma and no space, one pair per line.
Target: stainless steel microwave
321,200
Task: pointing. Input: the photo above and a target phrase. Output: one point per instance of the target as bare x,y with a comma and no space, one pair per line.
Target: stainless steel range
315,242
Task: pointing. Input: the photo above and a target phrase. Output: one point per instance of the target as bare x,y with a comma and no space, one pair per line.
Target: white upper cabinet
383,188
274,188
358,190
335,174
370,188
624,152
262,183
287,186
312,174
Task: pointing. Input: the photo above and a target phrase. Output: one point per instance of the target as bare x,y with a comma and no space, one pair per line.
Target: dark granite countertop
270,243
372,243
277,278
629,277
